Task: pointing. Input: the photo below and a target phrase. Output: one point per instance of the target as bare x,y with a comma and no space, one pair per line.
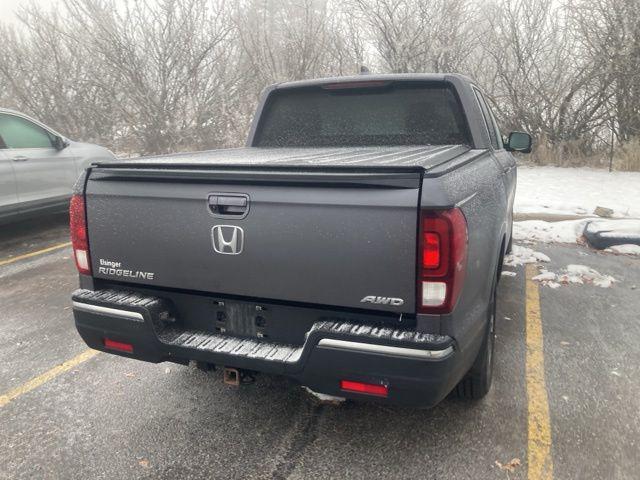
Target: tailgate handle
229,205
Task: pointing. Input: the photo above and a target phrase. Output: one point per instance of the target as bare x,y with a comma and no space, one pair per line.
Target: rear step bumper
418,368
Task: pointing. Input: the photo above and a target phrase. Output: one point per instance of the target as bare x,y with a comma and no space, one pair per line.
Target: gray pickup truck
354,245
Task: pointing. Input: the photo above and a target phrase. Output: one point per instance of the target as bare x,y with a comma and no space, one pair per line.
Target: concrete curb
551,217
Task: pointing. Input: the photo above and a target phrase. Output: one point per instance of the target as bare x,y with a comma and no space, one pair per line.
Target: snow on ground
624,249
577,191
546,192
616,228
323,397
570,231
574,274
567,231
521,255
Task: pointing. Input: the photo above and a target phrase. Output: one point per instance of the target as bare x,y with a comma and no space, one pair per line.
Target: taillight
443,258
79,237
430,250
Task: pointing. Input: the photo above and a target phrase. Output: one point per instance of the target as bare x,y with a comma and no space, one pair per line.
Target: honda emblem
227,239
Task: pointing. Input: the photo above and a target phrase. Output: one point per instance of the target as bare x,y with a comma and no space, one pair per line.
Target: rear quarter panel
477,189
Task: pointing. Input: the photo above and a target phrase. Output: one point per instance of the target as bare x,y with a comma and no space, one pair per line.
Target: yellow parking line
540,462
7,261
46,376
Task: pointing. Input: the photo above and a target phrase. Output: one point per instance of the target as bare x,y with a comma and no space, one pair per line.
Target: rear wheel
477,382
510,244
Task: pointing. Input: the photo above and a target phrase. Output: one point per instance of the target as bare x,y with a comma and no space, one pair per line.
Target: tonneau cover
421,156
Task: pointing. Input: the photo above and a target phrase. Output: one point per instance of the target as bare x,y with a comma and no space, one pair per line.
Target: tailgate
332,237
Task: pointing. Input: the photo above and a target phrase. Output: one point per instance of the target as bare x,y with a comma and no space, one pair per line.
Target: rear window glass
400,114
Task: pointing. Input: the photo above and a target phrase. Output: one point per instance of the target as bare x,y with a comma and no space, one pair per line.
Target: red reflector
121,346
431,250
366,388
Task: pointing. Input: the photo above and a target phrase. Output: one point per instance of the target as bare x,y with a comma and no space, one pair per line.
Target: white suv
38,166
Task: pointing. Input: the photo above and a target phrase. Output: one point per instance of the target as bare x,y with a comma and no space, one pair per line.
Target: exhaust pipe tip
231,376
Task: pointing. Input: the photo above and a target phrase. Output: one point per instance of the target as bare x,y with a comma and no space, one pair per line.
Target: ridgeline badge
115,269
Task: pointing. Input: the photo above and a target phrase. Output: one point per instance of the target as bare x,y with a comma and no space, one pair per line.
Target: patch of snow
570,231
521,255
629,230
545,275
577,191
602,234
507,273
574,274
567,231
627,249
578,269
567,278
323,397
630,226
605,281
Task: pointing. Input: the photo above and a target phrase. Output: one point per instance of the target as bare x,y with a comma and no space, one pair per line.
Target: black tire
477,381
510,244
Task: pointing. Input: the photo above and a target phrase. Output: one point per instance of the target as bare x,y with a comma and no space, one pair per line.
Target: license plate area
241,319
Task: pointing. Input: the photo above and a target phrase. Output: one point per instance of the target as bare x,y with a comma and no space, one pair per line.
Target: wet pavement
111,417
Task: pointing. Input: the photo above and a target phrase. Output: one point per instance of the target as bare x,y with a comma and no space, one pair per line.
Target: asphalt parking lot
565,401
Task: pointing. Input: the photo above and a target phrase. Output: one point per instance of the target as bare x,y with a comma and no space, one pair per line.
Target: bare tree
610,37
166,63
346,42
542,83
418,36
46,75
153,76
285,40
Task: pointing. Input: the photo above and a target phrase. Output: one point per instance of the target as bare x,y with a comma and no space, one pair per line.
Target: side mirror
519,142
60,143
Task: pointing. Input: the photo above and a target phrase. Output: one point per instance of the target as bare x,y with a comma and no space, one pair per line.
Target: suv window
491,128
495,127
411,113
20,133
